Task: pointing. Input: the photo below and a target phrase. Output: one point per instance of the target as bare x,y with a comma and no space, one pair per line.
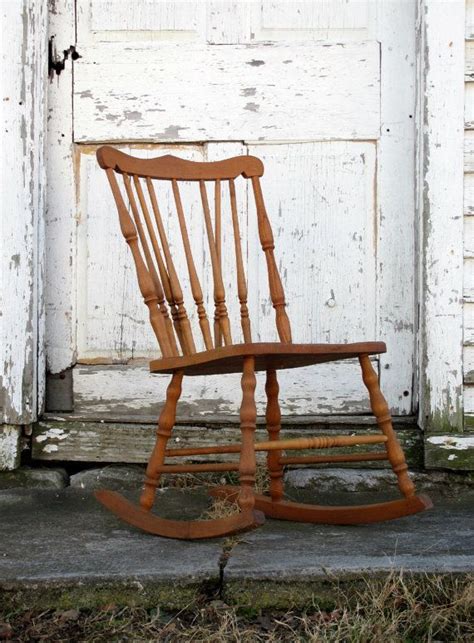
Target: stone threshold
61,548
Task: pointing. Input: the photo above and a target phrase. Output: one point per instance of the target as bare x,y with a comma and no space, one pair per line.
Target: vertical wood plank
61,213
440,194
22,176
229,22
395,30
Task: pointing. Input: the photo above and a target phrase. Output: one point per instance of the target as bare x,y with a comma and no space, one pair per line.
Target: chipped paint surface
468,307
447,442
441,57
125,442
101,391
22,176
346,109
449,452
9,447
61,215
52,434
50,448
394,190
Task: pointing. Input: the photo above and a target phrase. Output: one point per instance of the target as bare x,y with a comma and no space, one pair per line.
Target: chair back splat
135,185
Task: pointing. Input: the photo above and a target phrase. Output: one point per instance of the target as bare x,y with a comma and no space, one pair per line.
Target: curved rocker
329,515
183,529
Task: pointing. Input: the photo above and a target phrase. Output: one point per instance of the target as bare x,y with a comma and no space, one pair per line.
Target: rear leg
380,409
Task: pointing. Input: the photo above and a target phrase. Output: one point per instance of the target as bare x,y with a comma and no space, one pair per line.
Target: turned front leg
166,423
273,419
248,419
381,411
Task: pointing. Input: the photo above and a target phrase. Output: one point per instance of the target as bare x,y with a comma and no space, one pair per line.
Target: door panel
216,93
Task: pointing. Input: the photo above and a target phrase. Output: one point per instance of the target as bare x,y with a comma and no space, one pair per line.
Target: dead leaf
6,631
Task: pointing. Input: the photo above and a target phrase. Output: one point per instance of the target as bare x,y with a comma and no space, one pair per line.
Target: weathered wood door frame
24,85
440,177
440,59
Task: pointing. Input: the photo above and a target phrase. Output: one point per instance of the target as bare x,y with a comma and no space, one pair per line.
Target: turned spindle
273,419
248,419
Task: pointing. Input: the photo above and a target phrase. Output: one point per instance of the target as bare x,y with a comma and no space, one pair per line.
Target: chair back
136,190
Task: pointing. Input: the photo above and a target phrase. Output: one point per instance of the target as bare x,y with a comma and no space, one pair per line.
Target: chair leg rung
323,442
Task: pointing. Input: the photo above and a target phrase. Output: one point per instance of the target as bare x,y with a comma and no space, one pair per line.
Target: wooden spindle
161,265
241,282
381,411
293,444
219,291
320,442
277,293
248,418
182,323
273,418
144,243
218,240
193,277
145,282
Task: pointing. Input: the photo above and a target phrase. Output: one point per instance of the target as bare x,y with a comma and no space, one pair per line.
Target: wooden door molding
440,234
22,235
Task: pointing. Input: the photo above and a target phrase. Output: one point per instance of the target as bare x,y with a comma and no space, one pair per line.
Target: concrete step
61,546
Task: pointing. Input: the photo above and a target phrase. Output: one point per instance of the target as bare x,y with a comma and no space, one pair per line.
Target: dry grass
192,480
395,610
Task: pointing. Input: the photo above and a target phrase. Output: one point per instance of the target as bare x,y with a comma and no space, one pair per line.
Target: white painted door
324,93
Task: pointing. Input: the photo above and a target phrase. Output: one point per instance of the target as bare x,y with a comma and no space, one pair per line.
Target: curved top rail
172,167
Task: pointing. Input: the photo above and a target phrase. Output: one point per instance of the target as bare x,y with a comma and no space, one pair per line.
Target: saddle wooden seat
229,359
146,232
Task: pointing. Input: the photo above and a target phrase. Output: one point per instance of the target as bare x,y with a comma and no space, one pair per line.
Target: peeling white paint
9,447
52,434
440,186
50,448
311,390
340,83
24,77
60,287
448,442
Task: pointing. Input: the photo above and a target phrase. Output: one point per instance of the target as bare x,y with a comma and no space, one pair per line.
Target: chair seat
228,359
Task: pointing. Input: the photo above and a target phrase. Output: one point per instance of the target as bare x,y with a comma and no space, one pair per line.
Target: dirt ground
398,609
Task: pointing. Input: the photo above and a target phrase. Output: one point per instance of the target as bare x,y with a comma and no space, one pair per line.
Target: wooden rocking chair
144,230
